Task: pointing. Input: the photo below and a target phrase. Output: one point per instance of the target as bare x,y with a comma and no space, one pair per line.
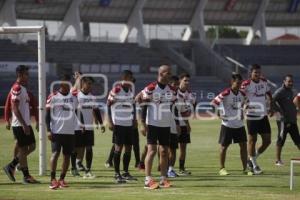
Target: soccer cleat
279,163
248,172
257,170
62,184
172,174
223,172
127,176
74,172
29,180
89,175
142,166
54,184
165,184
151,185
108,165
250,165
184,173
119,179
80,167
9,172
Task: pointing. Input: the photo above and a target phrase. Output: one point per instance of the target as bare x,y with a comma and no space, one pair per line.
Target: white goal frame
40,30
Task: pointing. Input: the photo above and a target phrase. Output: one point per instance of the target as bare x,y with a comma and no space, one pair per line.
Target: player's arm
15,108
7,111
175,111
98,118
34,109
144,129
270,99
216,103
297,101
275,104
48,121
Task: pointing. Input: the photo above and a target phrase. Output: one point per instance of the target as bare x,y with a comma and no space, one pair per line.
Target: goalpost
40,30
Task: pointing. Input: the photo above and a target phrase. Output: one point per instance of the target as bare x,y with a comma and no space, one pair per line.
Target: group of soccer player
163,107
253,97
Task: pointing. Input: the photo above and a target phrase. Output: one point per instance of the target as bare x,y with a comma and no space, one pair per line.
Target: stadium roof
216,12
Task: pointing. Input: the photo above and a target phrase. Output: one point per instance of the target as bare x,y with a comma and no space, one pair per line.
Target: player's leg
79,158
56,149
184,139
225,139
136,146
109,161
119,143
68,143
172,155
294,132
281,137
127,153
89,153
29,146
223,150
143,157
164,143
152,138
265,130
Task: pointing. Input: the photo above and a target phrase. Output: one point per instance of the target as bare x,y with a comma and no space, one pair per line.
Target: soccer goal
40,31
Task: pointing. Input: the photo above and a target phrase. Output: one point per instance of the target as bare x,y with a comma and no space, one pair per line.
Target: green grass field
204,184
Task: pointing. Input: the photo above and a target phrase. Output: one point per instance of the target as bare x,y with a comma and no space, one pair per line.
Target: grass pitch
202,160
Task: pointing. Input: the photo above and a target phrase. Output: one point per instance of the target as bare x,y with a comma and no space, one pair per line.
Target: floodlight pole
40,30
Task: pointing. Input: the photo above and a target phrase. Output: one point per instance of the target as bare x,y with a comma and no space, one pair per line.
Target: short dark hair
126,73
236,76
21,69
288,76
255,67
65,77
174,79
184,75
87,78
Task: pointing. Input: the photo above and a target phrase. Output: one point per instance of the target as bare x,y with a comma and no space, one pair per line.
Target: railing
239,66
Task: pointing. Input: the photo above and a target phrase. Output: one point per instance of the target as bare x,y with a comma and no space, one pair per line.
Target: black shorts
173,141
285,128
64,141
232,135
184,137
23,139
260,126
135,137
122,135
83,139
158,134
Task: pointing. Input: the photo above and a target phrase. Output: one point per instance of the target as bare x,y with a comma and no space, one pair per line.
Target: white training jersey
122,103
19,94
86,105
257,96
231,108
160,101
185,104
63,116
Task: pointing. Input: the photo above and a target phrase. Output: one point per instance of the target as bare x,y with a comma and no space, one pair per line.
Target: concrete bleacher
69,52
262,54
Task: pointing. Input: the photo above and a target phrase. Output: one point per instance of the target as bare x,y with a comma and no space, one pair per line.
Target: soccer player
230,104
156,122
87,109
121,120
61,121
257,92
8,115
187,102
21,127
174,82
135,145
287,123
